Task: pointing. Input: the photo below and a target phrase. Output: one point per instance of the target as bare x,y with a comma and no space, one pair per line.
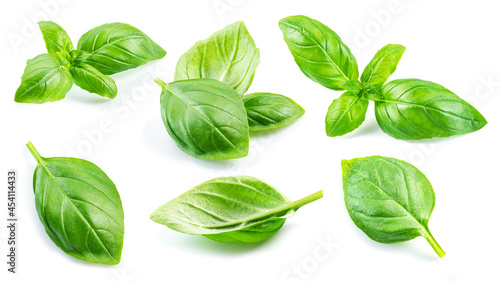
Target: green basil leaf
382,65
79,207
55,37
268,111
345,114
43,80
90,79
116,47
319,52
388,199
206,118
413,109
231,209
229,55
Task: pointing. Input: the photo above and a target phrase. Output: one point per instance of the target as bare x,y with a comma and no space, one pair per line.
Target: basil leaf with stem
269,111
382,65
91,80
414,109
238,209
345,114
206,118
229,55
55,37
388,199
43,80
79,208
116,47
319,52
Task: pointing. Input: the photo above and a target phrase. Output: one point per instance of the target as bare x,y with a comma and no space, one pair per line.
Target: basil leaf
388,199
55,37
414,109
229,55
231,209
382,65
319,52
115,47
43,80
206,118
79,207
345,114
268,111
90,79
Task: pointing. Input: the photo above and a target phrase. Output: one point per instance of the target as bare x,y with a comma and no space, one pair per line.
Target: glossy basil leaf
229,55
55,37
206,118
268,111
231,209
345,114
116,47
79,207
43,80
90,79
414,109
319,52
382,65
388,199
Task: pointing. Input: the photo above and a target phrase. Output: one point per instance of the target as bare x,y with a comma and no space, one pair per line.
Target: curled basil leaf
268,111
382,65
206,118
345,114
79,207
319,52
414,109
55,37
116,47
231,209
229,55
43,80
90,79
388,199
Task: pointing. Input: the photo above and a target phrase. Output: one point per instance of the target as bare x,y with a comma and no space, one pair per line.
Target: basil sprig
104,50
408,109
207,111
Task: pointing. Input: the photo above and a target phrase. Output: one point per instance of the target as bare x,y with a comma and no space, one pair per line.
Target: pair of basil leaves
104,50
81,210
206,110
409,109
388,199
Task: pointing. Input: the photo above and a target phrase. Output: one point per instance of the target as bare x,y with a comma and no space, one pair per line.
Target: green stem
34,152
162,84
293,205
439,251
306,200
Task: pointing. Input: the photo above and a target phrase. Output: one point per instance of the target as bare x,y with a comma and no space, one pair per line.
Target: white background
449,42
